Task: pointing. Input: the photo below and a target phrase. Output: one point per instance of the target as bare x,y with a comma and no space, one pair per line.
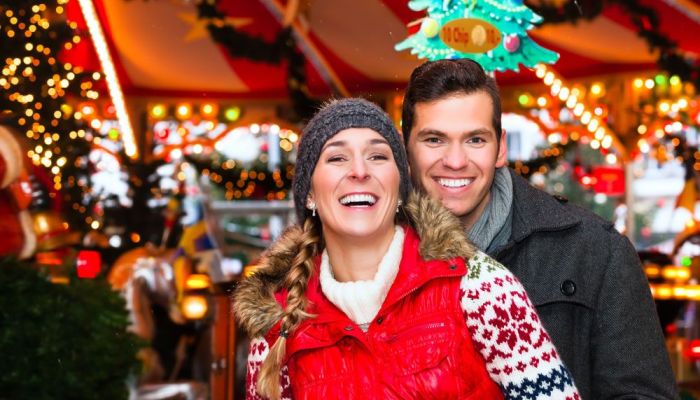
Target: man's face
454,152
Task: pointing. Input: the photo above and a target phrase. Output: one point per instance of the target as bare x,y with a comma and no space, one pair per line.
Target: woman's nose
359,169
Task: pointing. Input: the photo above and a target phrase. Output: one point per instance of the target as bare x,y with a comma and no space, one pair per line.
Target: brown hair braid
296,281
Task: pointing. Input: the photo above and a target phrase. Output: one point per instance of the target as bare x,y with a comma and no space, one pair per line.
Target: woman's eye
379,157
336,158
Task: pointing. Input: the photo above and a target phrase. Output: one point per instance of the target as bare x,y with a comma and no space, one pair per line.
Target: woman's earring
398,205
311,205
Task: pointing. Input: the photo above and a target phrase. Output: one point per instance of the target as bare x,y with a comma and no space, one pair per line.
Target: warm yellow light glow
599,133
194,306
681,273
115,90
652,272
643,146
197,281
593,125
564,93
183,111
158,111
209,109
586,117
548,78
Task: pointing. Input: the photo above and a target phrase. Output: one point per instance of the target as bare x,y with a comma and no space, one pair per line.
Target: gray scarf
492,230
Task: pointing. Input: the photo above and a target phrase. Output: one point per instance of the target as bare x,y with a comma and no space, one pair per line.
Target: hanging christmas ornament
430,27
511,43
474,29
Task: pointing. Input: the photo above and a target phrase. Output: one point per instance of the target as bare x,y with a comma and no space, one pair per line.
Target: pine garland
645,20
282,49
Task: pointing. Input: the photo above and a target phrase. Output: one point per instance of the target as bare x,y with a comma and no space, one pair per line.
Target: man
584,278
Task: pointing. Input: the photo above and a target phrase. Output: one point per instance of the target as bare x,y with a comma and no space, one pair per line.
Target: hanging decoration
282,50
586,115
670,58
492,33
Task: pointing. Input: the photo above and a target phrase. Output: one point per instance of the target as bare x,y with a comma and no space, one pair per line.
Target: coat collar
537,211
258,301
330,324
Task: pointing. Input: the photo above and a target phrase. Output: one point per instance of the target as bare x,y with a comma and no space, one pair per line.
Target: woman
379,294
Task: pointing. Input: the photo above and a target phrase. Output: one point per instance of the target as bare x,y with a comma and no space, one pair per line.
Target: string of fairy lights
603,136
38,117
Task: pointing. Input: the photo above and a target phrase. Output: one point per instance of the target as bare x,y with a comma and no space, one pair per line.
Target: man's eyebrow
480,131
429,131
435,132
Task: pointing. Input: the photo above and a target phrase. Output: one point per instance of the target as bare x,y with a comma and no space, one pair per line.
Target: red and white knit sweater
505,329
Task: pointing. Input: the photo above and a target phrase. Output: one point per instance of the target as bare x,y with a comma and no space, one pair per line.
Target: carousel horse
146,280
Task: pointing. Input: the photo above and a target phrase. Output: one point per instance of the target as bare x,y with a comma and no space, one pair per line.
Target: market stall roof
161,48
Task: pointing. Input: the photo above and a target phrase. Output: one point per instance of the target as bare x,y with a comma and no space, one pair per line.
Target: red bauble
88,264
511,43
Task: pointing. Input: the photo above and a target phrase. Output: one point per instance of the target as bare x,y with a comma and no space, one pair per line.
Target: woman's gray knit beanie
332,118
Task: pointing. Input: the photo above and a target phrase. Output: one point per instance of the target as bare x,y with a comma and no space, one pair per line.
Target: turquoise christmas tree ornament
492,33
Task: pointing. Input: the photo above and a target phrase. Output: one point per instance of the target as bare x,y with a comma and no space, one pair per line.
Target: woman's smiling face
355,185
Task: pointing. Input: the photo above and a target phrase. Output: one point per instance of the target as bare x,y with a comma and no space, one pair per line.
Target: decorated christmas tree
39,93
493,33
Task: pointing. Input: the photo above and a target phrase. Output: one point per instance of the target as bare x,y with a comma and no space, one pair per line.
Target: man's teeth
454,182
354,199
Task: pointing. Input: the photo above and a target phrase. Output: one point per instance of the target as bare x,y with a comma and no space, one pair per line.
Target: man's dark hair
435,80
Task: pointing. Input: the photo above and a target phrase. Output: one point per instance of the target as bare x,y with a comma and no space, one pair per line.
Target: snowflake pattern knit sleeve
506,330
256,355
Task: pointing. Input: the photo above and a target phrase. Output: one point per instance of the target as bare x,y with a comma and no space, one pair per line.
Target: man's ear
502,156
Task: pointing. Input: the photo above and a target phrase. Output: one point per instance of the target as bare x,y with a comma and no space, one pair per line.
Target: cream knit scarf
361,300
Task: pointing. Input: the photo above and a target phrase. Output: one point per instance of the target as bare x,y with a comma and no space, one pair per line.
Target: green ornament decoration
492,33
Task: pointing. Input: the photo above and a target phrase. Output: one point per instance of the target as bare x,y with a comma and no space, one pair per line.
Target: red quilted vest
418,346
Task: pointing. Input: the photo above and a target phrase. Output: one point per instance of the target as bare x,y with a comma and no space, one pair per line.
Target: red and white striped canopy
160,49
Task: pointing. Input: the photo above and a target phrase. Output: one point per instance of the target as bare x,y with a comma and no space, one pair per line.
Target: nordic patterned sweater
504,325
